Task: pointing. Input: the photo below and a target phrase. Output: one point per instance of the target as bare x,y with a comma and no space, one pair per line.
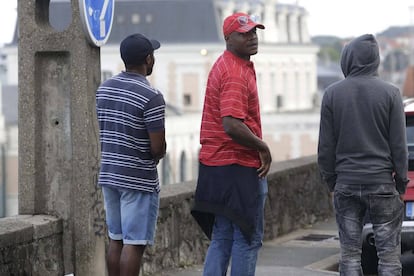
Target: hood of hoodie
360,57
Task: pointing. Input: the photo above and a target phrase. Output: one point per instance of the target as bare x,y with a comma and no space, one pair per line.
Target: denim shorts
131,216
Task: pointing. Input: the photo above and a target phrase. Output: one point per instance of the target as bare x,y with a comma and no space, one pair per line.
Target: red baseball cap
239,22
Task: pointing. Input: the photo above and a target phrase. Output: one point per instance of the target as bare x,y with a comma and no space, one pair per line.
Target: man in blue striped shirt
131,117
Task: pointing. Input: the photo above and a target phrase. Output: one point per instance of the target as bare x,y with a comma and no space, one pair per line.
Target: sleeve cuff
401,184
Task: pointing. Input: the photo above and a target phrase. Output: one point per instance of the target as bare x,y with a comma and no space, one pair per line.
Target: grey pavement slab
311,251
260,271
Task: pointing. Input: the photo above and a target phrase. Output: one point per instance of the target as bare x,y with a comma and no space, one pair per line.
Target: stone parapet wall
297,197
31,245
179,241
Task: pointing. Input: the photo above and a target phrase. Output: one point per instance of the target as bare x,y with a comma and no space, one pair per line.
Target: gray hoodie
362,137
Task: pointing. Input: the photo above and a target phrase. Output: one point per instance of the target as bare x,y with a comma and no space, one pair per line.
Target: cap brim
155,44
246,28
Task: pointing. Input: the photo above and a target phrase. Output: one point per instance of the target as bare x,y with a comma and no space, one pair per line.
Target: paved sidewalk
312,252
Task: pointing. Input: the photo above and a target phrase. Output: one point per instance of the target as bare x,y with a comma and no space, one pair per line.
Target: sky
350,18
342,18
8,16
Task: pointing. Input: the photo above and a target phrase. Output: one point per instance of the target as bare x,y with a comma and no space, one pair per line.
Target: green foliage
329,53
330,47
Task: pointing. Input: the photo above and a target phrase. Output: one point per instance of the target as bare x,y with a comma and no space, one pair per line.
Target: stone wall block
34,247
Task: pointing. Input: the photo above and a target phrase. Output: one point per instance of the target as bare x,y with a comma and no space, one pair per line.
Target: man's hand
242,135
266,161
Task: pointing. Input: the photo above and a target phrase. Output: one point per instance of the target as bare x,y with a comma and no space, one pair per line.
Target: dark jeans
385,209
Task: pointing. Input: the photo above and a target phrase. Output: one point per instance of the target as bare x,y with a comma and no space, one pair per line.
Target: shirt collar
237,59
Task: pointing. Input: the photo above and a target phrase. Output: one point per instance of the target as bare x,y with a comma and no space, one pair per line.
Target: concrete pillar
243,6
269,20
58,133
282,26
257,11
304,31
229,9
293,24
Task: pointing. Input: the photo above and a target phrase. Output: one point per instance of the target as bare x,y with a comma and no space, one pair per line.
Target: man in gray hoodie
362,156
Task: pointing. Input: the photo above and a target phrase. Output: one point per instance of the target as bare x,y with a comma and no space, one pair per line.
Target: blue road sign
97,17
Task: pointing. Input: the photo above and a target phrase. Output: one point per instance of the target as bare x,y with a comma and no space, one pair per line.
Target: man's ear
148,59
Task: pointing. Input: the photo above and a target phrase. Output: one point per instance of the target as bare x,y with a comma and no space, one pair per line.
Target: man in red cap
234,160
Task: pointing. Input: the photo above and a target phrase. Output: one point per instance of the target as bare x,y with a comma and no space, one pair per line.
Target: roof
408,88
169,21
328,74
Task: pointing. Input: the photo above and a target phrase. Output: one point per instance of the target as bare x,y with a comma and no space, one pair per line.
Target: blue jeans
228,243
385,209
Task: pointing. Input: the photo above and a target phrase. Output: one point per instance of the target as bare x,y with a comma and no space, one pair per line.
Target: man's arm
398,144
242,135
158,145
327,145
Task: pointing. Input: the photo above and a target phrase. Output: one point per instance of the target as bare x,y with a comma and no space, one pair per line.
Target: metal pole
3,182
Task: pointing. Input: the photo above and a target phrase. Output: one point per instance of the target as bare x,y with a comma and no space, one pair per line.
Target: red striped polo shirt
231,91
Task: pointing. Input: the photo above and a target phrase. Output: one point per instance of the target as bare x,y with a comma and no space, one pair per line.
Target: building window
105,75
135,19
285,85
191,84
187,99
259,82
297,89
120,19
288,28
300,29
148,18
279,101
166,171
220,13
183,165
272,83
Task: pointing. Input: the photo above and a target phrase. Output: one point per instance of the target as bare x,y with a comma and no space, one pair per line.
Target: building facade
190,32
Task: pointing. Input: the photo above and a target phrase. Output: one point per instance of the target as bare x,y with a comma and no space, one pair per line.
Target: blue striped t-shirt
128,108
